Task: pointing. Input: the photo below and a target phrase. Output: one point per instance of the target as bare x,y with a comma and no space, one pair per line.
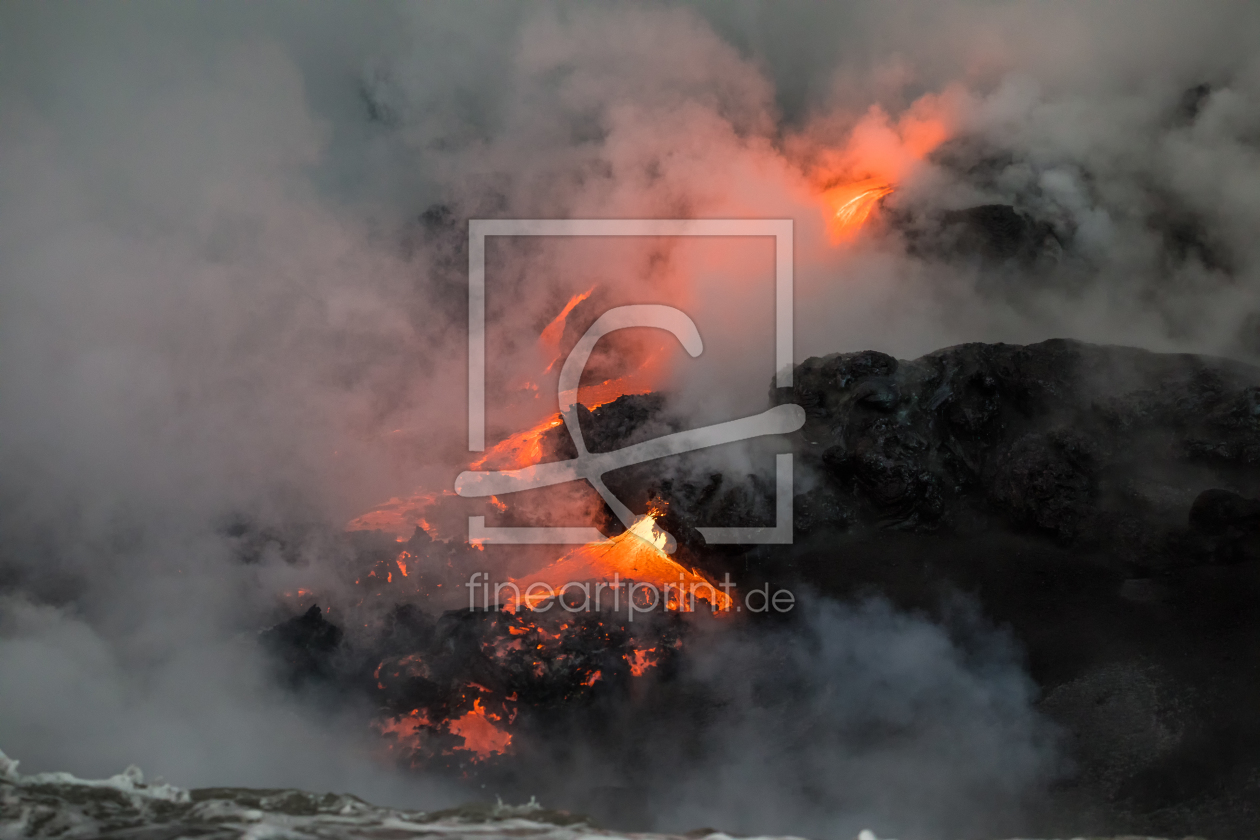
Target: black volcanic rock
626,420
1099,501
998,232
305,644
992,234
1093,446
1217,512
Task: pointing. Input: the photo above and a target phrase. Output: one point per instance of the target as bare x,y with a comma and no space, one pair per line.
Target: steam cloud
232,284
856,715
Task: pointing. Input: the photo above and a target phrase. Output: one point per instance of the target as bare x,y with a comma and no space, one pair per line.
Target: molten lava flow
523,449
632,557
853,204
554,331
480,735
400,516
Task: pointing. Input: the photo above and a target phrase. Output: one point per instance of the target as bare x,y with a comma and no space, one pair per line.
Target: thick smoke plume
851,716
232,289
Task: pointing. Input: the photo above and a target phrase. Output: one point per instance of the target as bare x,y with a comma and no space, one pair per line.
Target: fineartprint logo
589,466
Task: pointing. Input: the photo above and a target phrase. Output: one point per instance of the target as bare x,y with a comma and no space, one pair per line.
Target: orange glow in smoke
554,331
878,155
406,729
853,204
399,517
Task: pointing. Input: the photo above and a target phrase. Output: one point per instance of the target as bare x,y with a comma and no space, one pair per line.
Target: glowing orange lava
523,449
633,556
642,660
480,735
853,204
476,727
